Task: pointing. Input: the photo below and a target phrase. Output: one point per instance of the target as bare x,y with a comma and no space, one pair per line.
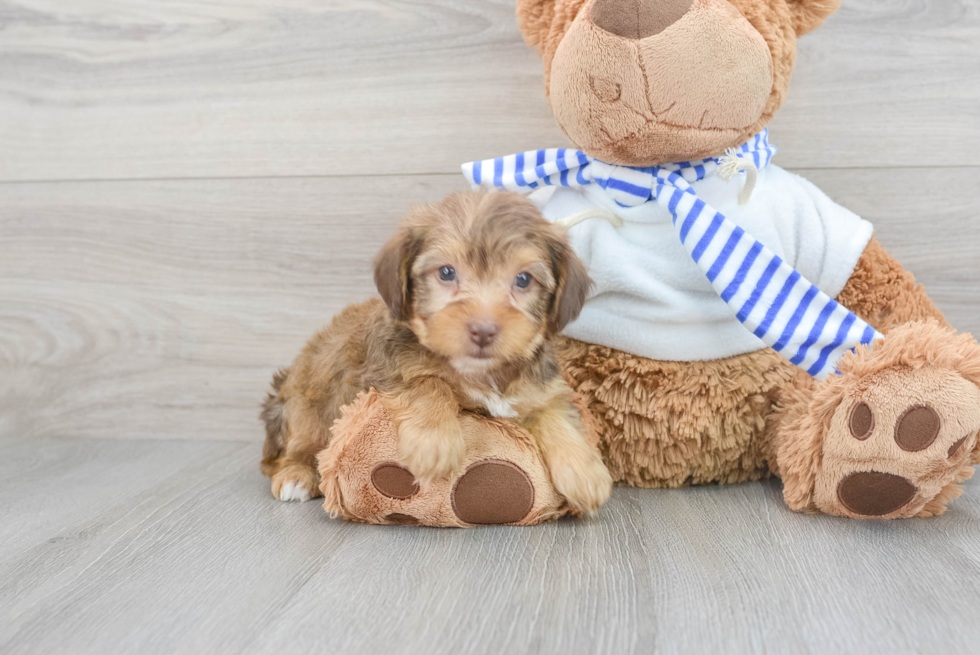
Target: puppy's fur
472,290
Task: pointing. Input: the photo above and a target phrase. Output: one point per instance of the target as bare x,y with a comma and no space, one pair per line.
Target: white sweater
649,298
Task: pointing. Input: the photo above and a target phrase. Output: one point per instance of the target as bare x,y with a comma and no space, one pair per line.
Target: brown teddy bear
643,83
777,336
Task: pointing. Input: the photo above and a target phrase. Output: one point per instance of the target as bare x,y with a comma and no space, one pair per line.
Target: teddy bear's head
646,82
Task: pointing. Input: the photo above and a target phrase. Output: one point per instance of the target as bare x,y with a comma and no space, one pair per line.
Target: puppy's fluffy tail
274,416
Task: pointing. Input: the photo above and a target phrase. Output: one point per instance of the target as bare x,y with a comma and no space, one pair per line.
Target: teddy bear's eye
605,89
447,273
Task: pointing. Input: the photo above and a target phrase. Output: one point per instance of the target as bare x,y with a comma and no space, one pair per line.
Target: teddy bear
741,323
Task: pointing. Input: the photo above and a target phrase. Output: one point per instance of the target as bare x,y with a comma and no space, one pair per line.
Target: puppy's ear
572,284
393,272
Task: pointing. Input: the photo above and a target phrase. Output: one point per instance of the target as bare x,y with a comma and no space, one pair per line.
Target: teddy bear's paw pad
862,421
893,449
955,448
872,493
397,518
394,481
917,428
492,492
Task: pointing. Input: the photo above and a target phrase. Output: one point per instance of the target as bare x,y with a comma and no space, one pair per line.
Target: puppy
473,289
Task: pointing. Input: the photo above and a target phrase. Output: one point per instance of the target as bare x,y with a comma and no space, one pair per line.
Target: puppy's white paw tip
292,491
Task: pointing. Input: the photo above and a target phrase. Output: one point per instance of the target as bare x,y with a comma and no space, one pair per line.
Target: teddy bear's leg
502,478
895,433
672,424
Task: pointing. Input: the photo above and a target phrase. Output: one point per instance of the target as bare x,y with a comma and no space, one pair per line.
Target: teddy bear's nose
637,19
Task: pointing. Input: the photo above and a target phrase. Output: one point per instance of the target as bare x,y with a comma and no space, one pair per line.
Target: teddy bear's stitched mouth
619,145
612,142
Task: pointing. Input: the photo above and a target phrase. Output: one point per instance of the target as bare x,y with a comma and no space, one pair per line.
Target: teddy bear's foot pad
397,518
489,492
394,481
898,444
492,492
872,493
501,480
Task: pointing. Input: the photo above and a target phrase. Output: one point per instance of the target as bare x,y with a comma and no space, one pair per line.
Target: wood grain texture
160,309
171,303
97,89
171,547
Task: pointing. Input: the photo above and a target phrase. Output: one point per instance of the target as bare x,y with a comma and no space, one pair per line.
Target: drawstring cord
588,214
730,164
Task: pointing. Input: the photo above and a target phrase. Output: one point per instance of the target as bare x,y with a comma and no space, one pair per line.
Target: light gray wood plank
97,89
173,302
160,309
101,89
197,557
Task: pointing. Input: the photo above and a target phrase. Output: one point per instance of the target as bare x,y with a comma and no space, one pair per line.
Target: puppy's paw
431,453
582,478
294,491
295,483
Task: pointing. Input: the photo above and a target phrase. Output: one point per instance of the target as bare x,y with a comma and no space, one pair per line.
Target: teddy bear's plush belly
671,424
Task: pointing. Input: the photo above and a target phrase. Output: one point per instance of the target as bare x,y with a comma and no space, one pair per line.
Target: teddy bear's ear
808,15
544,22
534,18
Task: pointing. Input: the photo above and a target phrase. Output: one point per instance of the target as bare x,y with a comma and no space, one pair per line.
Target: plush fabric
545,24
683,93
362,481
671,424
636,19
921,364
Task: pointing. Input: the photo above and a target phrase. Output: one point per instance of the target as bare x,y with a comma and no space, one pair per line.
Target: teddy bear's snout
637,19
643,82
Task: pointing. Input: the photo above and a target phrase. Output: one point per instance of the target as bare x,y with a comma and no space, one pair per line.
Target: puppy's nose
637,19
483,334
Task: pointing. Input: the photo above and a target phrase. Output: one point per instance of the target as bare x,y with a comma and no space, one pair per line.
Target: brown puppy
473,289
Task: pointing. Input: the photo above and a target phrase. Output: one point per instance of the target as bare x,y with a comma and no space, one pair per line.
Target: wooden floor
189,189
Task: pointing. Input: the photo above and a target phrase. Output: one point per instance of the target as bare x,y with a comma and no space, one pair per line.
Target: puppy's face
481,278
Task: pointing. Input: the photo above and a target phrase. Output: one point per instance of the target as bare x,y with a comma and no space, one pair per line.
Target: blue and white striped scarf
768,296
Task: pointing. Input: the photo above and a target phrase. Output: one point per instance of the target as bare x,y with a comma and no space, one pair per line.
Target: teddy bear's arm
884,294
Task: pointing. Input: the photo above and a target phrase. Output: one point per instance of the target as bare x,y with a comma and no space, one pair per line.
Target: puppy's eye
523,280
447,273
